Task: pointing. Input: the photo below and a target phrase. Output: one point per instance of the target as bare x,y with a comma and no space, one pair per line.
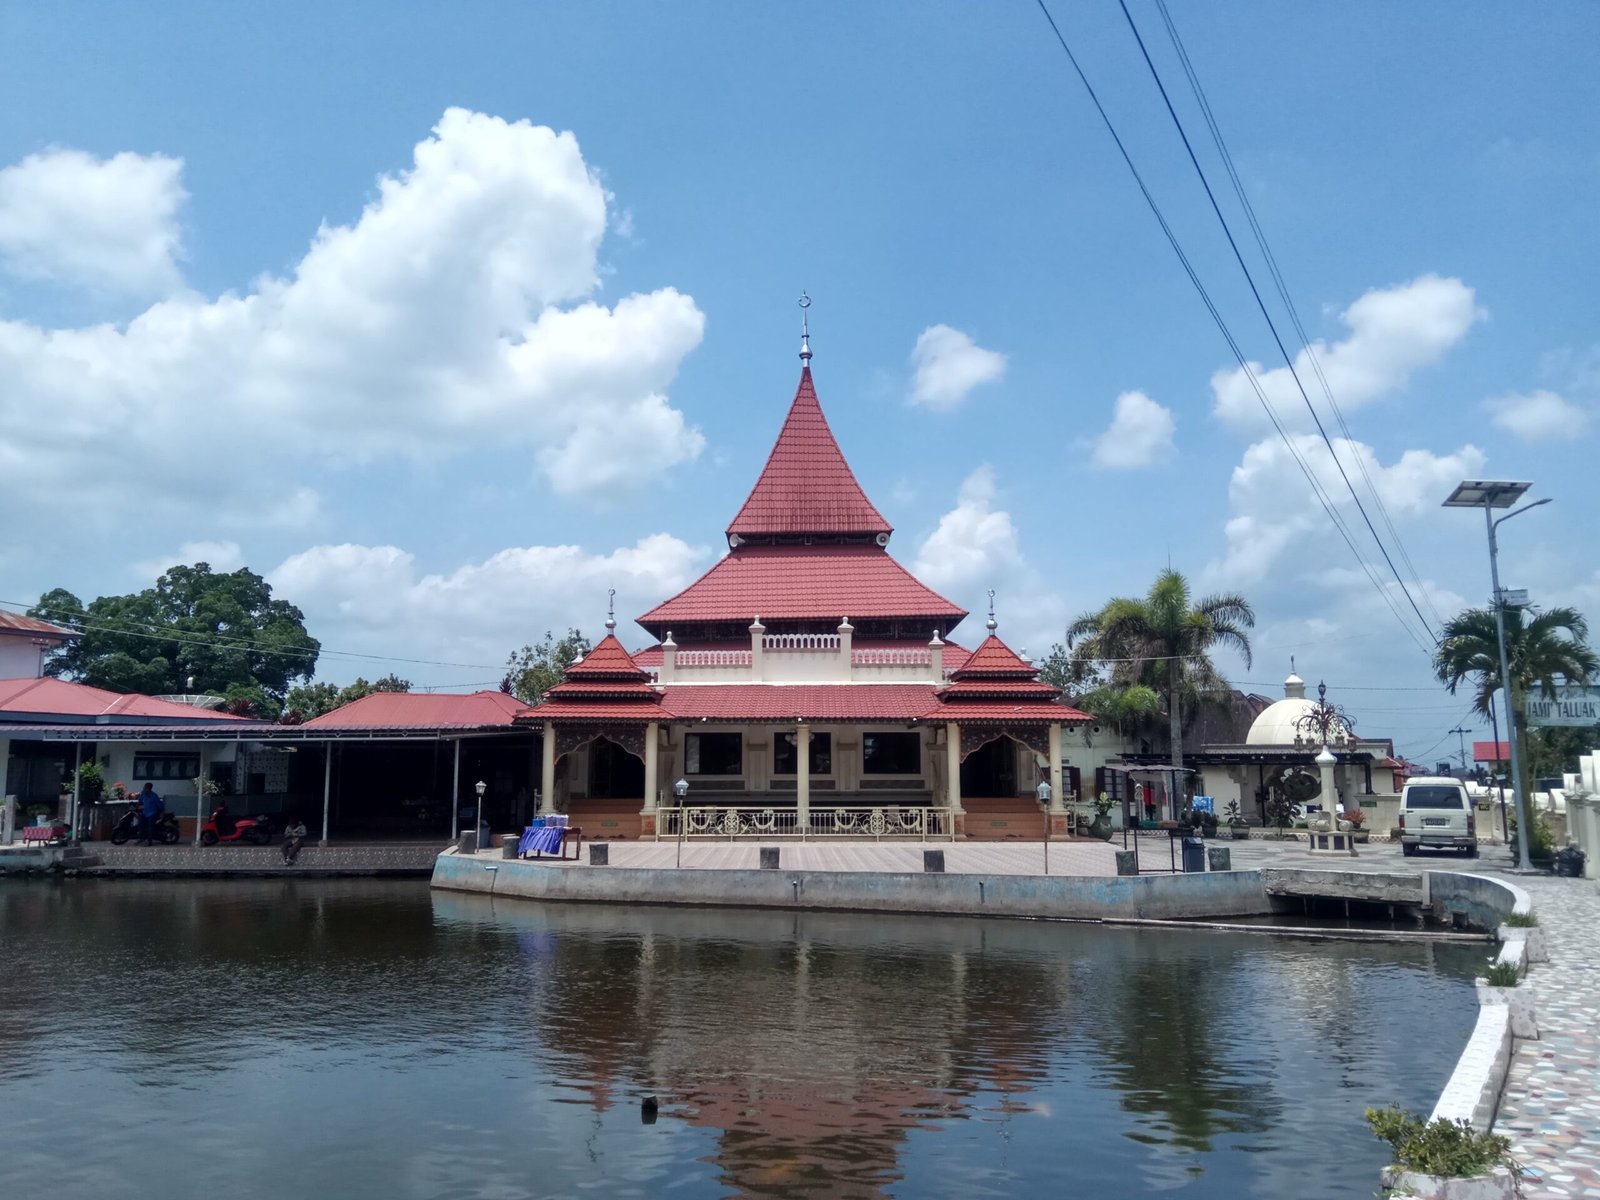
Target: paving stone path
1551,1106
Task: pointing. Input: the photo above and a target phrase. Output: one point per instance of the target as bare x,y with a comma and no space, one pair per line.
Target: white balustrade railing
713,658
713,822
800,641
907,657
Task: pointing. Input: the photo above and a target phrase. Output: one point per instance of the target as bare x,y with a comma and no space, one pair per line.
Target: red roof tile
422,710
57,696
803,583
807,486
557,708
16,623
607,660
1491,751
993,659
1020,711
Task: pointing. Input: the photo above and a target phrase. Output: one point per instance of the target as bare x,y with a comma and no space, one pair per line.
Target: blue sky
527,369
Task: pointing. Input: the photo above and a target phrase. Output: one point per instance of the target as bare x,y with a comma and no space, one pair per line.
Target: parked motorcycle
127,828
221,828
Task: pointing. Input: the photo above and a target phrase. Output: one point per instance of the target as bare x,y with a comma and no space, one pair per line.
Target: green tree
535,669
1550,648
311,700
225,631
1162,643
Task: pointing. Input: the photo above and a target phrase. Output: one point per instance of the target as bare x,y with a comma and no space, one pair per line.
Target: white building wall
20,658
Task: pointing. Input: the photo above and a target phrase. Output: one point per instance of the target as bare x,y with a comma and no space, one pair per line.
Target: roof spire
611,610
991,624
805,331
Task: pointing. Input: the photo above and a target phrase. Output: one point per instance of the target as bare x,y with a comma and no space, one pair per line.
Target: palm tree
1162,643
1553,645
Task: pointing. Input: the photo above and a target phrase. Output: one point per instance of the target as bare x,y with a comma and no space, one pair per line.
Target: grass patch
1522,921
1449,1148
1502,974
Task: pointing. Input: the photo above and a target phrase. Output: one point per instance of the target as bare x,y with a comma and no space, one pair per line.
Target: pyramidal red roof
807,487
608,660
993,659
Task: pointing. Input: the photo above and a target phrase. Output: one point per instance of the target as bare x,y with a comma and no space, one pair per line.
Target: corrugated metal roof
422,710
807,486
16,623
57,697
803,583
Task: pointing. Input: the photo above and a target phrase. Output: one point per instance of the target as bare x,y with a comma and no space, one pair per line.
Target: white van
1436,812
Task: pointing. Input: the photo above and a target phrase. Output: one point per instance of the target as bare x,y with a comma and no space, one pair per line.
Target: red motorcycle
220,827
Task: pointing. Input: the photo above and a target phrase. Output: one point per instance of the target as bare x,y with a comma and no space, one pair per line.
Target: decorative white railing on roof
713,658
900,656
800,641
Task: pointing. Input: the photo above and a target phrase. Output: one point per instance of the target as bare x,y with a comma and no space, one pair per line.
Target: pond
362,1039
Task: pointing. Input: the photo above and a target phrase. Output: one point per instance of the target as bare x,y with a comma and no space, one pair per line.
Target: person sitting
294,836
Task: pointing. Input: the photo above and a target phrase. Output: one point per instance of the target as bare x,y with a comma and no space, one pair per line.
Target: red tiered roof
996,684
803,583
606,684
798,701
807,486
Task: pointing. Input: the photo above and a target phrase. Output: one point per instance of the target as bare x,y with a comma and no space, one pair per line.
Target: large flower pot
1100,827
1239,833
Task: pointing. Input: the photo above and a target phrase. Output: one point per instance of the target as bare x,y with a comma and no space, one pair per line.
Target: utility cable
1281,284
1271,324
1316,485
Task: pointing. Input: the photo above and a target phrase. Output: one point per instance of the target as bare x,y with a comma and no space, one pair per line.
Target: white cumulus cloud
222,557
372,599
1393,333
946,364
109,225
455,313
1274,508
1538,416
1140,434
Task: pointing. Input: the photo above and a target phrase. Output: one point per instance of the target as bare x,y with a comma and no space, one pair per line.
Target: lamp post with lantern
1043,792
483,821
681,791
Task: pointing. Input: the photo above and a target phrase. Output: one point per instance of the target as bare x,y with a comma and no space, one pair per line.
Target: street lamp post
681,791
1487,495
483,825
1043,792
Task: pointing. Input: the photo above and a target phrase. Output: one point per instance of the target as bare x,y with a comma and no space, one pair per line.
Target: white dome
1278,725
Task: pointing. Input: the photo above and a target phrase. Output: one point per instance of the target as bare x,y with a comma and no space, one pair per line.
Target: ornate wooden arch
974,739
574,737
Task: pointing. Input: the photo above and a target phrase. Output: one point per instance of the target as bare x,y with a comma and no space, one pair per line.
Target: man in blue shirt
150,807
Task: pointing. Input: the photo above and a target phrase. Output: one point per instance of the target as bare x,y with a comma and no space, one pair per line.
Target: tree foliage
1542,653
223,630
1160,644
535,669
311,700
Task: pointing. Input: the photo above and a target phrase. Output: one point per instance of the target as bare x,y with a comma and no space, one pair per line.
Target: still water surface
366,1039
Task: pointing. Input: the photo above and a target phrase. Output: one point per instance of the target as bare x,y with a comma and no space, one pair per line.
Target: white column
455,794
758,633
77,767
669,659
936,659
547,777
847,633
652,764
327,788
1058,796
952,750
802,774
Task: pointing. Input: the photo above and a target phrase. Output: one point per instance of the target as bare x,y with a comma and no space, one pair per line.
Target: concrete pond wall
1066,897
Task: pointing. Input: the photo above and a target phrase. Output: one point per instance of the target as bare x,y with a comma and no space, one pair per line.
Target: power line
1267,316
1205,296
1283,294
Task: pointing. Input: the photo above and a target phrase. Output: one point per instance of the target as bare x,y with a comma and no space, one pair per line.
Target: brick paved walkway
1551,1106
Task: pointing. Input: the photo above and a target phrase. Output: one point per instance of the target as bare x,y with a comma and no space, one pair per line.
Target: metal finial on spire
805,330
611,609
991,624
1292,671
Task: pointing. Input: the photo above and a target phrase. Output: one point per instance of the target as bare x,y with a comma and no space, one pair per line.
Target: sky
448,319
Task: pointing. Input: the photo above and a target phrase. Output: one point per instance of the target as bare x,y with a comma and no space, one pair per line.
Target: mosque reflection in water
844,1054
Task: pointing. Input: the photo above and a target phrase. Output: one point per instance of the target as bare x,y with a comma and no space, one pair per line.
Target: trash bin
1194,854
1569,863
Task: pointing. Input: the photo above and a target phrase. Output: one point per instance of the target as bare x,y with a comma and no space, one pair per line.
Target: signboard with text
1569,707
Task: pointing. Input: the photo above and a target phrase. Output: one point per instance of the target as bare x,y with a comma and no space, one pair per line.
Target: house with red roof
806,685
24,642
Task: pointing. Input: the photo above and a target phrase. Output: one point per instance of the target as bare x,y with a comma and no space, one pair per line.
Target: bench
38,833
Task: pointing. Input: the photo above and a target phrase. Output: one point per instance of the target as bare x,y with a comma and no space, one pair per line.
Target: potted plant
1100,827
1282,811
1238,827
1356,818
1444,1159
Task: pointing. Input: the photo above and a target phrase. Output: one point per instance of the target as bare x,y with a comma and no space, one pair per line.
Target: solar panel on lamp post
1489,494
